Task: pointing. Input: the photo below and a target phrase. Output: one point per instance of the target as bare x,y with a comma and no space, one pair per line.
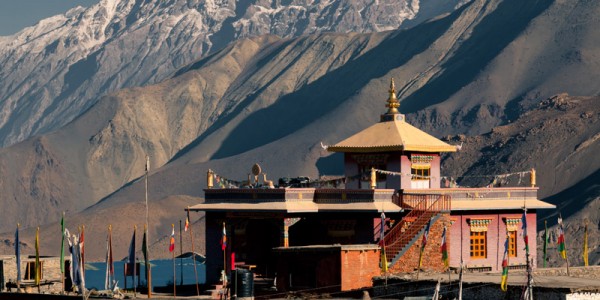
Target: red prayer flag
172,243
224,238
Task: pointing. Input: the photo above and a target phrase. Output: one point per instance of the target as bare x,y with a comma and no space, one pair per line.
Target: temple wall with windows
483,236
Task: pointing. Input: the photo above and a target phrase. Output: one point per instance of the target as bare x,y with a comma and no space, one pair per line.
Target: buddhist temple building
331,237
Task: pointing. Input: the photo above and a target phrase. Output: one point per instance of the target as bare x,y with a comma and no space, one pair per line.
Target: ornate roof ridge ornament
392,102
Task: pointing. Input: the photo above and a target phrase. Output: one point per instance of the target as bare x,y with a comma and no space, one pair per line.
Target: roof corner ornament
209,179
392,101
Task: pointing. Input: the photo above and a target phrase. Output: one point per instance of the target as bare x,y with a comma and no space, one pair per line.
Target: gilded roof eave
396,135
390,148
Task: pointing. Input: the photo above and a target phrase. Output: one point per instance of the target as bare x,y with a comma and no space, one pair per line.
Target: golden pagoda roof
392,133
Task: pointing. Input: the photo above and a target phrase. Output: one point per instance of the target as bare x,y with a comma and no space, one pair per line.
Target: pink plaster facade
395,162
459,246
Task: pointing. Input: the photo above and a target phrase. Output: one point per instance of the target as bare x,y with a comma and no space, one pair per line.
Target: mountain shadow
311,102
331,165
571,200
496,31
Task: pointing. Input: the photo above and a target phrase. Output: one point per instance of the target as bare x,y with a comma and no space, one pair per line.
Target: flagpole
174,273
62,253
148,270
224,260
180,254
460,280
585,244
529,271
134,264
18,257
193,253
566,253
82,247
37,259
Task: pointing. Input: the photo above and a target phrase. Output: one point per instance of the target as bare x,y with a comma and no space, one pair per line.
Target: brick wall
432,257
358,268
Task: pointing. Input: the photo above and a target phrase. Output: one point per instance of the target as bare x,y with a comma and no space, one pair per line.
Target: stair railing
423,207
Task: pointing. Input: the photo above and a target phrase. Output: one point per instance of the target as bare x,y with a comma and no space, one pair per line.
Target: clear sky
18,14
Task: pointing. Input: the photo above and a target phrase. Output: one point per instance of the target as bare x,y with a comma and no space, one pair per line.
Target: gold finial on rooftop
392,101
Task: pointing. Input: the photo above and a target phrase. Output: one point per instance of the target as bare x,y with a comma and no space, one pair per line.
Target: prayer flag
110,271
144,247
425,235
37,257
131,257
444,249
172,243
504,282
18,254
224,238
562,248
384,262
81,248
585,245
62,244
524,228
187,221
145,251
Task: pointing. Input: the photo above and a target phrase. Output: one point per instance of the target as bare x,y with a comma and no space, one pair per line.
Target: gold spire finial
392,101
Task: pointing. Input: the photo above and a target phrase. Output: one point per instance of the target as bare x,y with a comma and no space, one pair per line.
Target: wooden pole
460,280
566,252
174,273
62,258
224,265
18,252
180,254
193,253
38,267
148,270
134,266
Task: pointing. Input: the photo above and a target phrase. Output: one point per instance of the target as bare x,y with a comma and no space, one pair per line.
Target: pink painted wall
405,169
496,235
434,182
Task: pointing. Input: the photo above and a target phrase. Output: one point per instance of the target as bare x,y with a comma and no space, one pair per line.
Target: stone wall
400,288
432,257
582,272
51,277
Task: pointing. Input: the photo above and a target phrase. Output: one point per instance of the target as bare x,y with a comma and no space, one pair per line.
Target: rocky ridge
55,70
272,100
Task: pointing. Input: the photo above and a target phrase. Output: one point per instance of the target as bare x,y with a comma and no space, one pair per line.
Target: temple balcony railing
317,195
494,193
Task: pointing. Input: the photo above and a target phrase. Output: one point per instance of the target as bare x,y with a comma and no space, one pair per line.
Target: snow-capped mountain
53,71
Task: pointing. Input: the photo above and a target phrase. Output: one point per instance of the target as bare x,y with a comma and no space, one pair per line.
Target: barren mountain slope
104,149
274,100
521,52
561,140
53,71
